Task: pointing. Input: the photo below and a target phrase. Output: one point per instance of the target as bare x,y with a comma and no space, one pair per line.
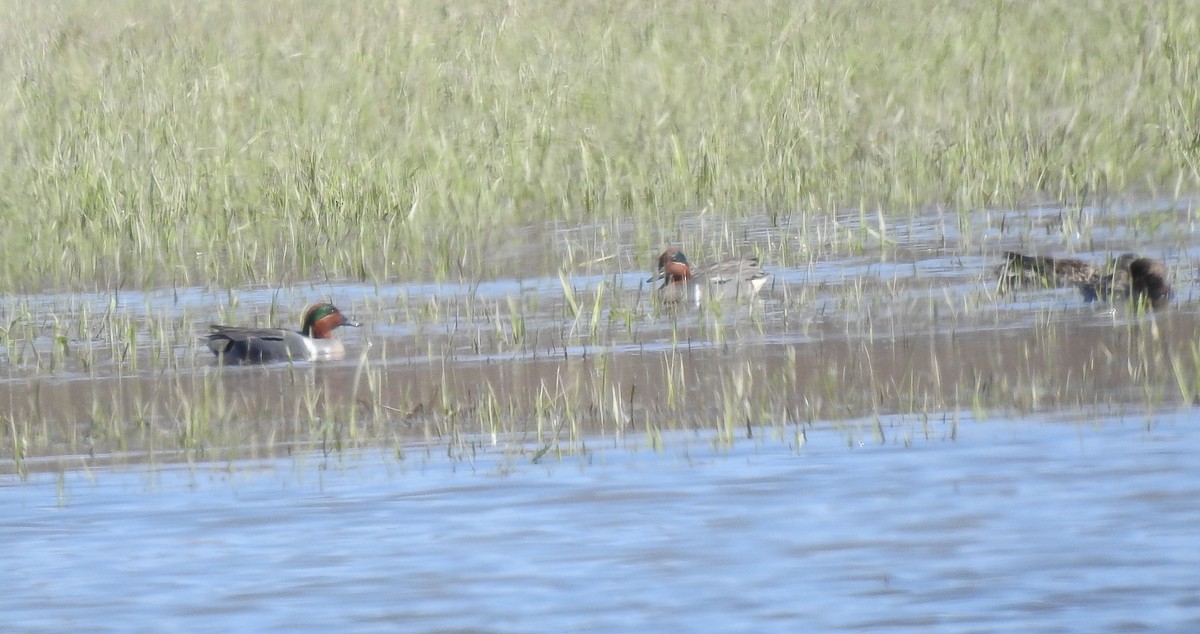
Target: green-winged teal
1047,272
1128,277
315,340
731,279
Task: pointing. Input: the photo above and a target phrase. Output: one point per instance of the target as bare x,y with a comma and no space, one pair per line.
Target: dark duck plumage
315,340
1143,281
1127,278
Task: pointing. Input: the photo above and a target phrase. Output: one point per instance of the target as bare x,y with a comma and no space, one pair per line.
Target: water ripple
1015,526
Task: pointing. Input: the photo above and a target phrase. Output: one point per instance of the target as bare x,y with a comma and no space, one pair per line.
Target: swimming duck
1136,279
315,340
731,279
1040,270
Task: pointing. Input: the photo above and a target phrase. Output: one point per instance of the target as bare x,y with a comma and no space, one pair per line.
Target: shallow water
909,320
494,462
1040,525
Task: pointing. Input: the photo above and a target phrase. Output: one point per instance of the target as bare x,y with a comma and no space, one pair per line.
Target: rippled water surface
1040,525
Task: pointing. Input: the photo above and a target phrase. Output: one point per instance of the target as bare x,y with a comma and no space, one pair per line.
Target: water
1036,525
864,313
1068,516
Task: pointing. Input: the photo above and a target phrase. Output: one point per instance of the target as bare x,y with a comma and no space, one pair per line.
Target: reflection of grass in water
219,415
225,143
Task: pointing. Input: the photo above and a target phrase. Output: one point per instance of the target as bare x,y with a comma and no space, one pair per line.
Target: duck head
1149,282
321,319
673,268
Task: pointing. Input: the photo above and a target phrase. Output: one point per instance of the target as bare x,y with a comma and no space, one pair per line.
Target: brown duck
1129,277
1044,271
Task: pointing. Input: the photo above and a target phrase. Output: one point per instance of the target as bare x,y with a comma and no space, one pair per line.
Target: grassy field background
152,144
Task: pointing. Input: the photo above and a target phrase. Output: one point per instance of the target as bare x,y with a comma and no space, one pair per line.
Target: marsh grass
553,403
225,143
493,366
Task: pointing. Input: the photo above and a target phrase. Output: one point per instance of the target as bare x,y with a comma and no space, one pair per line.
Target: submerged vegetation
169,151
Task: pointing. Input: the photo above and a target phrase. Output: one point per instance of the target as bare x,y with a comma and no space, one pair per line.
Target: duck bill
352,324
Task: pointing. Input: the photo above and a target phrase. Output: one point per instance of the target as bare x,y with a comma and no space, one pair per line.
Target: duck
1140,280
731,279
1044,271
313,342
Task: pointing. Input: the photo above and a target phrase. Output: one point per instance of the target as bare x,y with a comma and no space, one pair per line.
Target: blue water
1036,525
